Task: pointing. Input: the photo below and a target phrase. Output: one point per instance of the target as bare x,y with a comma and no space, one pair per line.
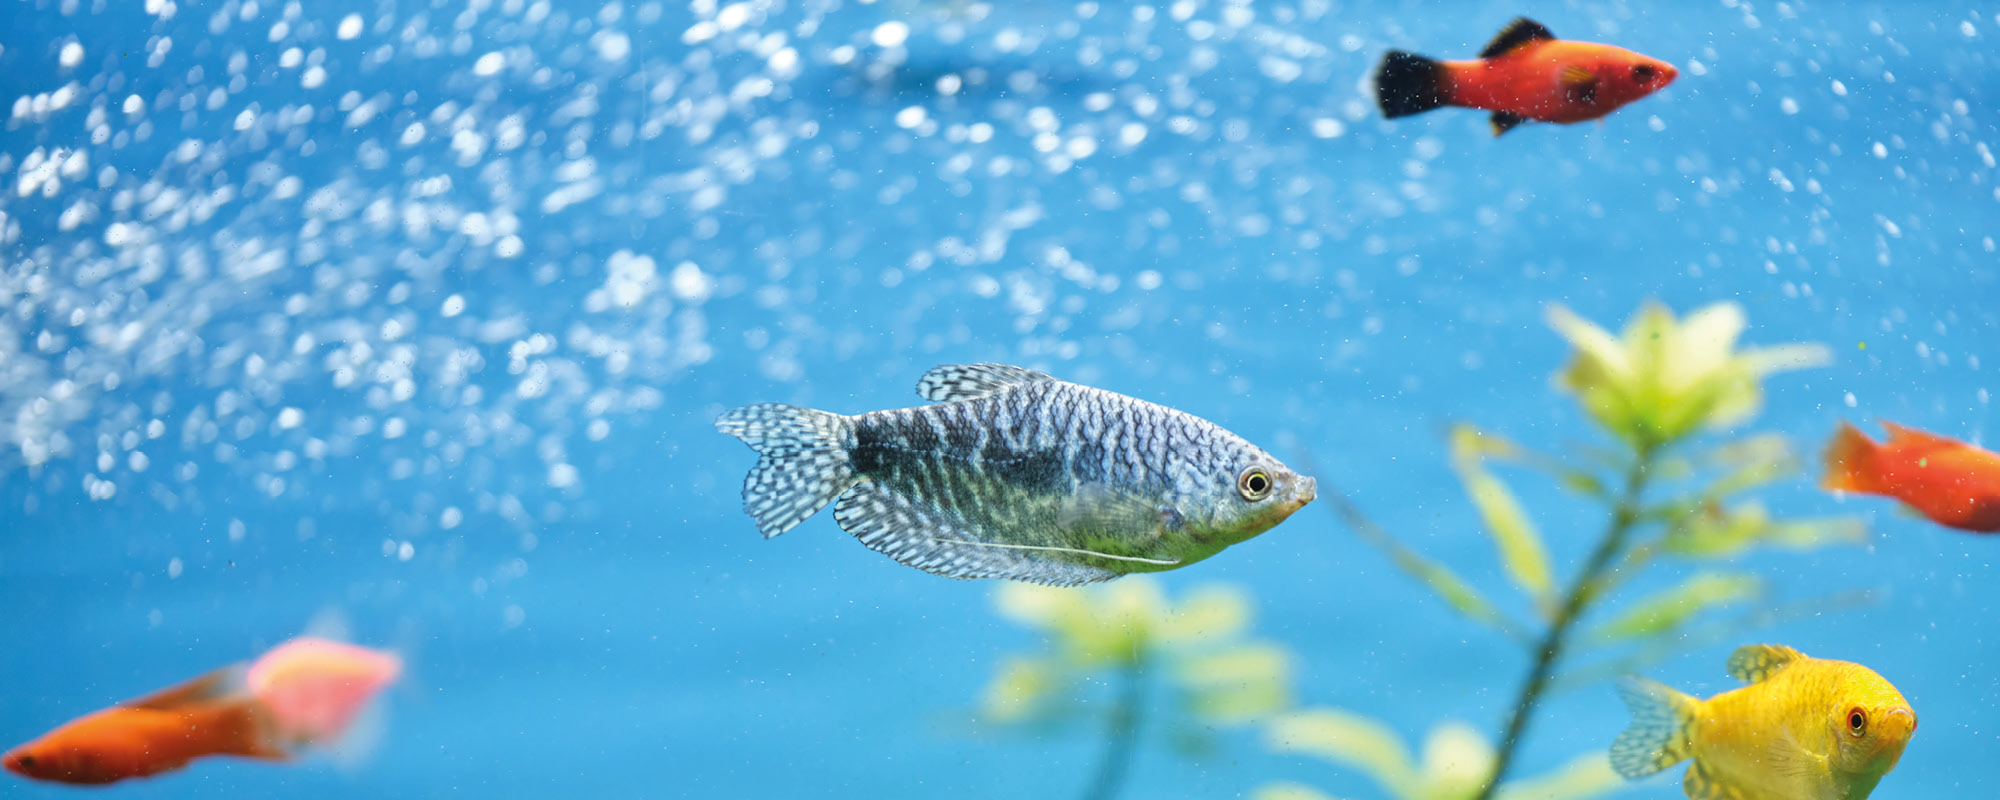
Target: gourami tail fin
1850,462
1662,728
806,461
313,689
1407,83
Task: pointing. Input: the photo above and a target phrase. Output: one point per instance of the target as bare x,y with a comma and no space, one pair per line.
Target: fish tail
1850,462
314,689
1661,734
806,461
1407,83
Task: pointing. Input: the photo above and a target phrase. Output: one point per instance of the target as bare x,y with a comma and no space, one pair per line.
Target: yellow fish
1804,729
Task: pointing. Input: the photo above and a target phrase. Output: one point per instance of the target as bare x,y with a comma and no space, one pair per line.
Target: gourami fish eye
1857,722
1254,484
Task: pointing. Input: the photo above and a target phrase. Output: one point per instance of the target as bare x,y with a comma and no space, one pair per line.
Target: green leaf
1520,545
1238,685
1667,610
1752,462
1706,530
1448,586
1349,739
1018,689
1286,790
1586,777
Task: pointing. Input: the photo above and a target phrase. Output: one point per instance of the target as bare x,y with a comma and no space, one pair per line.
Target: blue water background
604,621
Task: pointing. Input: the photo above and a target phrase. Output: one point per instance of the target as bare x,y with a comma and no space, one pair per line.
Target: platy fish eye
1643,73
1857,722
1254,484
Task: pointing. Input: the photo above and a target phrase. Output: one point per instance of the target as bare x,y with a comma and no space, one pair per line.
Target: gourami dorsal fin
1700,784
919,535
1661,733
952,382
1505,121
210,687
1754,663
1521,31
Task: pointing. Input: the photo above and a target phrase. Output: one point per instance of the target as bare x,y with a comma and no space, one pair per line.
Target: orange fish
1949,481
302,693
1525,74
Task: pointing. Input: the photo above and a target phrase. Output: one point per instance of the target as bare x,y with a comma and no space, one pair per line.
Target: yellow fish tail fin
1752,663
1662,728
1700,785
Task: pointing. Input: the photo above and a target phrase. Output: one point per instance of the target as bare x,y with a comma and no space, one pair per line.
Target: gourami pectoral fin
1102,510
1579,85
1701,785
937,542
1521,31
952,382
1504,121
1162,562
1753,663
1661,734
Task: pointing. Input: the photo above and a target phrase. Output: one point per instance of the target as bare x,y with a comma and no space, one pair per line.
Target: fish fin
210,687
951,382
805,463
1407,83
1755,663
1850,462
314,688
1701,785
1522,31
1504,121
238,726
1661,733
1579,85
1098,508
933,541
1902,434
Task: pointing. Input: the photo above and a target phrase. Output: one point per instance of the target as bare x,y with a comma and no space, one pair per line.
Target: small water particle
71,55
350,27
489,64
450,518
290,418
891,34
1849,400
562,476
406,552
513,616
453,306
173,569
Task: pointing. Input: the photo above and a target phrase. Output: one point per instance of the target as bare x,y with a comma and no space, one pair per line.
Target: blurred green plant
1655,390
1456,761
1127,636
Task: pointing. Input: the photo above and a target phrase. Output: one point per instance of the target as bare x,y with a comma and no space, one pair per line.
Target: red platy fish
1525,74
271,710
1949,481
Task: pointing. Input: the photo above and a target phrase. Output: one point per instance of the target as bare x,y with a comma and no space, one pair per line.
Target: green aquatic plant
1456,761
1660,391
1129,637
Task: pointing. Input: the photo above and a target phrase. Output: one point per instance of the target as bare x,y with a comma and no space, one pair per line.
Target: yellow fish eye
1254,484
1857,722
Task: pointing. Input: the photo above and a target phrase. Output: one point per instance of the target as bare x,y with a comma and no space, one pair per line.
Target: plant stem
1624,518
1122,732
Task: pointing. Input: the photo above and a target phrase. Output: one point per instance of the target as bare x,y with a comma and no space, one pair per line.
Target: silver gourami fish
1015,474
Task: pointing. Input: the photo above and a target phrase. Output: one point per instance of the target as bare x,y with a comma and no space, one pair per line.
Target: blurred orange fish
1526,73
1949,481
302,693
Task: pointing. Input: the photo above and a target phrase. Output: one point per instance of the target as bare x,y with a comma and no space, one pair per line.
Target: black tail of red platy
1407,83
